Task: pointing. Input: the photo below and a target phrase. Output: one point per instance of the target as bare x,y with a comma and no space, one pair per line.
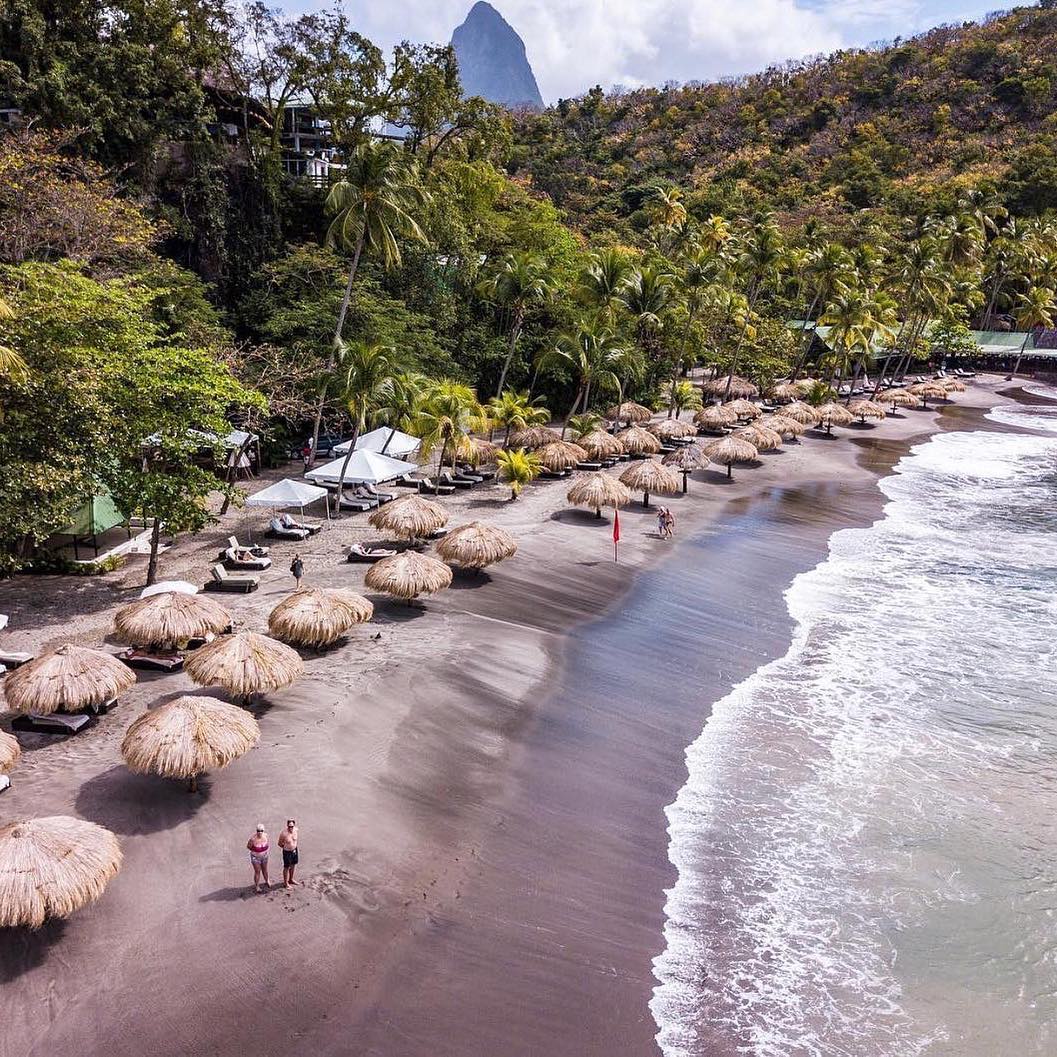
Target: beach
480,789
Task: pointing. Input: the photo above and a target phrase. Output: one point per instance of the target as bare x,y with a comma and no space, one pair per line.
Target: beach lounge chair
382,497
448,478
291,522
242,559
222,580
469,474
56,723
149,661
366,552
589,465
279,531
255,549
15,658
427,484
476,471
352,501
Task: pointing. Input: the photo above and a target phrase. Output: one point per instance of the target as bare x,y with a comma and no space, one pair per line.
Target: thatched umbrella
864,409
650,476
481,452
760,437
476,545
52,866
668,428
639,441
744,409
739,388
532,438
728,450
629,412
686,458
187,737
601,445
69,678
833,414
598,490
786,428
316,617
411,517
170,620
928,391
715,418
10,751
560,455
897,398
953,385
800,412
408,575
785,391
244,664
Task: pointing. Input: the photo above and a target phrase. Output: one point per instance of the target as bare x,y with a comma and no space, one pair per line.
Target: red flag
616,531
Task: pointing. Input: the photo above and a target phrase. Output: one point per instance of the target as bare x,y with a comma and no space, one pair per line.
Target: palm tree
602,282
859,321
404,406
519,280
12,366
518,468
450,413
581,425
647,297
693,281
1034,309
684,396
827,272
372,208
513,411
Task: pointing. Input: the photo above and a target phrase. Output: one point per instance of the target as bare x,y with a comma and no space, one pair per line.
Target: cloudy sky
573,44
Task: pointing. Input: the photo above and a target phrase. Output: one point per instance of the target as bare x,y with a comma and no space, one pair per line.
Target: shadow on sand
133,804
25,949
235,894
469,579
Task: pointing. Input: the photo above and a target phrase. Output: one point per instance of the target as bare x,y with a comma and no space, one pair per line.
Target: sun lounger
5,783
291,522
279,531
222,580
351,501
427,484
56,723
382,497
238,560
15,658
447,478
476,471
147,661
255,549
359,552
554,474
589,465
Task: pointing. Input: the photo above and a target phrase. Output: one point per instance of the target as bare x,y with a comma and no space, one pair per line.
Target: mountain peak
492,59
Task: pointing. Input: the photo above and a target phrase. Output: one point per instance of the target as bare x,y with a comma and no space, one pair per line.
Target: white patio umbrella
365,467
288,493
181,587
385,441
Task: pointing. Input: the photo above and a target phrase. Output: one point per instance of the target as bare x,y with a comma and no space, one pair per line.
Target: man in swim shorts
288,844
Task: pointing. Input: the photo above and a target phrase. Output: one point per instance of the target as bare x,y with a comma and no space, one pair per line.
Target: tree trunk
1020,356
233,470
348,459
680,360
155,541
805,341
572,410
342,313
515,331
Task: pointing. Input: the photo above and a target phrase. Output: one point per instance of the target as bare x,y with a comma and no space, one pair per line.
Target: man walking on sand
288,844
297,569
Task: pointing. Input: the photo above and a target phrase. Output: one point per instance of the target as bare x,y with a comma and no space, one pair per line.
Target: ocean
865,844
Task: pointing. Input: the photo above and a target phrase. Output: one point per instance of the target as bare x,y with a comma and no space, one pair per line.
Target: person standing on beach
258,848
288,843
660,522
669,523
297,567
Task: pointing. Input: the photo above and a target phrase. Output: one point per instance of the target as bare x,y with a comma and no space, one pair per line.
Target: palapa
928,391
598,490
10,751
481,452
68,678
833,414
477,545
738,387
800,412
728,450
669,428
786,428
744,409
560,455
188,737
408,575
629,412
760,437
52,866
244,664
954,385
650,477
785,391
601,445
864,409
532,438
897,398
686,458
639,441
411,517
716,418
170,620
317,617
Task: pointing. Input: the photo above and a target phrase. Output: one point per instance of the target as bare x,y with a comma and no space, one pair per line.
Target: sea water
867,841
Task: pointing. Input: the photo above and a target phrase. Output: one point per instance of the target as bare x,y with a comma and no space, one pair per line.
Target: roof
400,445
287,493
365,467
94,517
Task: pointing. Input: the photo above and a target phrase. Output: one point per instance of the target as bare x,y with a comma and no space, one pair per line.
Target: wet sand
480,790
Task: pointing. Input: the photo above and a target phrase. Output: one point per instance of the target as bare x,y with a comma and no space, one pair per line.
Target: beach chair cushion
56,723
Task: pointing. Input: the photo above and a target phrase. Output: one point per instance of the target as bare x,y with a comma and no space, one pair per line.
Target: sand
479,789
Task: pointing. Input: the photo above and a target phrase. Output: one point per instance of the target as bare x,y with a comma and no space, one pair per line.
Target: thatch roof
715,417
410,517
70,678
316,617
800,412
784,427
560,455
476,545
834,414
52,866
601,445
785,391
864,409
739,387
533,437
187,737
685,457
928,390
672,427
245,663
481,452
639,441
408,575
598,490
743,409
10,751
760,437
170,619
953,385
897,398
729,450
651,477
629,412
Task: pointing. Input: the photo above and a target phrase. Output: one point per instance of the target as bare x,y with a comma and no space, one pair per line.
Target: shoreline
402,759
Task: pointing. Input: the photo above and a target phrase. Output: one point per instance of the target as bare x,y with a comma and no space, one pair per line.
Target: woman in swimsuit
258,847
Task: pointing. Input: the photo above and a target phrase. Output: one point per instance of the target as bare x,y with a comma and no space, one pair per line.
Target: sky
574,44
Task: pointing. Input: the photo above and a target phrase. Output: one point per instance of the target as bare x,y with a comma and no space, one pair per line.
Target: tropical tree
827,271
519,280
859,321
694,281
513,411
450,413
602,282
373,206
647,297
1035,308
682,396
518,468
581,425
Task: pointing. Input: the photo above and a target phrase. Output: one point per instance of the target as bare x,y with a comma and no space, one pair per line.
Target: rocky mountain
492,60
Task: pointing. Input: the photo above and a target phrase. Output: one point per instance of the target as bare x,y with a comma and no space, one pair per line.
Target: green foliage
518,468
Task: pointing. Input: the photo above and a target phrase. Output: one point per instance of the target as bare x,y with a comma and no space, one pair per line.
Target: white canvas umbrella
181,587
288,493
365,467
384,441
